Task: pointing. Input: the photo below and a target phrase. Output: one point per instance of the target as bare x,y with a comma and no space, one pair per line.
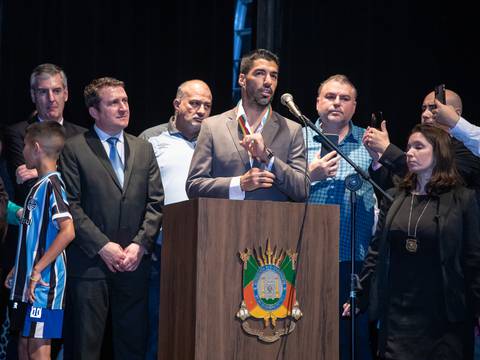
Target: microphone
287,100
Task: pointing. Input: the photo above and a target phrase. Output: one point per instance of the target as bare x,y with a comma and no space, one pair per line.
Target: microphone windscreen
285,98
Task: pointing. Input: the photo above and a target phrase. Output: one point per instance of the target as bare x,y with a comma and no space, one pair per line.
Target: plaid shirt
333,191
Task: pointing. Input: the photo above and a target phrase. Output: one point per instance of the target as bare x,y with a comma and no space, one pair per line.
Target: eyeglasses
430,107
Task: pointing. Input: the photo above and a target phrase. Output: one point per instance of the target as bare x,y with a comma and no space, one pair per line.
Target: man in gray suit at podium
251,152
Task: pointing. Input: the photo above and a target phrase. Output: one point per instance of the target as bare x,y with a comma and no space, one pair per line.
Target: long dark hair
445,175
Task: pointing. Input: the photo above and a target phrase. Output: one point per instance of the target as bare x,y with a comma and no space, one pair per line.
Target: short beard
264,101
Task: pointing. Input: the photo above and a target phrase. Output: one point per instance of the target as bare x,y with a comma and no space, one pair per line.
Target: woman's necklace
411,243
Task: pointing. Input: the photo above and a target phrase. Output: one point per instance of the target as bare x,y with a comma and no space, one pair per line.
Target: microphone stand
353,183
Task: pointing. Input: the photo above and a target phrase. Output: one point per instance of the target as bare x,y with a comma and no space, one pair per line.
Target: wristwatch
269,153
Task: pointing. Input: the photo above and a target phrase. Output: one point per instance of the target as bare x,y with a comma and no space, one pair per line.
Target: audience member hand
9,279
19,214
23,174
322,168
376,141
113,256
256,178
375,156
255,146
35,279
445,115
133,255
346,310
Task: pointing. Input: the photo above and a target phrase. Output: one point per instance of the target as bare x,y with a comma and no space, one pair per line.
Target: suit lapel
384,246
270,130
69,129
95,144
129,158
444,206
236,135
397,202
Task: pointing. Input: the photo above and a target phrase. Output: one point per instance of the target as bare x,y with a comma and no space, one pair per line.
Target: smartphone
325,147
377,118
440,93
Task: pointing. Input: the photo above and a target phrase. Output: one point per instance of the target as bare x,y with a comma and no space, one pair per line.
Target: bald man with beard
173,144
192,104
393,158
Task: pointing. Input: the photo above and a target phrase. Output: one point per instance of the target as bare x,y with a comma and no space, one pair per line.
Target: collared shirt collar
350,134
172,130
241,112
104,136
41,120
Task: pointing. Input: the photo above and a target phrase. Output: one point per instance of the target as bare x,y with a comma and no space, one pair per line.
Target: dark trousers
362,338
154,305
87,305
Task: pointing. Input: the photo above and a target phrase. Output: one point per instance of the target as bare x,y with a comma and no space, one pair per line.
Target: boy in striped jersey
37,281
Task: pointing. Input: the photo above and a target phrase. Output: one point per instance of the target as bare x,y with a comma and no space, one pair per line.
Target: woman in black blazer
421,276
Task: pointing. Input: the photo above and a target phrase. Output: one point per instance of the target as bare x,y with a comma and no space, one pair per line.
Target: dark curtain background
395,52
151,45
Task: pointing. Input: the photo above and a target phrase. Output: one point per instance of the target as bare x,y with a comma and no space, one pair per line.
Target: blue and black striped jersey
45,204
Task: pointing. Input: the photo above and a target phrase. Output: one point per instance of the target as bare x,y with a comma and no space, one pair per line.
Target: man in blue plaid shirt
336,104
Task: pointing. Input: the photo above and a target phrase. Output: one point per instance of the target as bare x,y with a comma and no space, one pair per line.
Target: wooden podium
201,278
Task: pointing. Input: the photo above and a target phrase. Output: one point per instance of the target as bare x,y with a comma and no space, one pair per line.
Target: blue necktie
115,159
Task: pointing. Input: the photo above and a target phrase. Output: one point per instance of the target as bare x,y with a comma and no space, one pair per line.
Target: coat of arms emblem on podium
269,293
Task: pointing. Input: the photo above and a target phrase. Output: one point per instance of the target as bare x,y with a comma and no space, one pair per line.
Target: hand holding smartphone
376,121
325,148
440,93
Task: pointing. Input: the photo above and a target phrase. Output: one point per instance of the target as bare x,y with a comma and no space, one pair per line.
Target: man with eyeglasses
393,158
173,144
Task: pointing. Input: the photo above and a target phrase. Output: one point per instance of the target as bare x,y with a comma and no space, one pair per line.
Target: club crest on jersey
25,221
269,293
32,204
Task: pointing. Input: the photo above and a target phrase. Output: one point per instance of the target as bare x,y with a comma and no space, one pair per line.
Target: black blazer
394,163
459,243
101,210
14,141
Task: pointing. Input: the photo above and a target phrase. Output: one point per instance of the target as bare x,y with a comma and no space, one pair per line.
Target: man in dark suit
251,152
49,93
115,194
